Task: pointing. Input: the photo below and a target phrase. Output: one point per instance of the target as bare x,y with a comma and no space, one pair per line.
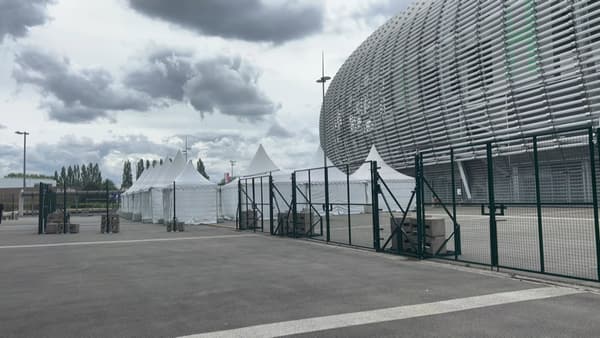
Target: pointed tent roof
318,175
171,171
139,183
385,171
261,163
189,176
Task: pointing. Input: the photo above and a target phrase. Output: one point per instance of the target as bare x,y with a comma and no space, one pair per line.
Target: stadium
454,75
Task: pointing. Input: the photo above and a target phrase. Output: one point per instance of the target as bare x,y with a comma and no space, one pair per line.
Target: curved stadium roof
457,73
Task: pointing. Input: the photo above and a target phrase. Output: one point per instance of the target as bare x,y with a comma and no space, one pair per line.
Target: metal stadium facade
458,73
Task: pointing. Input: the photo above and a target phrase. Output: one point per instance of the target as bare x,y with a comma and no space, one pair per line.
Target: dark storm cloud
17,16
219,84
74,95
250,20
277,130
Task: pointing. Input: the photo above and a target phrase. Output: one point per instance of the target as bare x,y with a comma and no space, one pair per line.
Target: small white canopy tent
164,181
338,187
134,195
195,197
261,164
401,185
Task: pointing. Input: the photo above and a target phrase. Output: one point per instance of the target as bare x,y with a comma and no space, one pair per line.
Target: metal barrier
533,204
528,203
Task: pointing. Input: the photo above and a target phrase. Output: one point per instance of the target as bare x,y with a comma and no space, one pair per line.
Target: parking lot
213,280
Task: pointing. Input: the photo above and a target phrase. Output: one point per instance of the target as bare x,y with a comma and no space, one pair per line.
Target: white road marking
389,314
120,242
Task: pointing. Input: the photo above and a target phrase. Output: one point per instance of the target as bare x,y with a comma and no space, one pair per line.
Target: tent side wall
157,205
194,205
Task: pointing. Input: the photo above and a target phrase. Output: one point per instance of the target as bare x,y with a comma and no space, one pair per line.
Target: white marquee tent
261,164
195,198
338,187
401,185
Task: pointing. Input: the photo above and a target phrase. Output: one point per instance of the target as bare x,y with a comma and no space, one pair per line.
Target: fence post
419,204
327,224
595,194
375,206
108,229
294,206
253,205
491,200
174,208
40,209
457,241
538,202
65,205
271,230
348,195
238,222
421,230
262,204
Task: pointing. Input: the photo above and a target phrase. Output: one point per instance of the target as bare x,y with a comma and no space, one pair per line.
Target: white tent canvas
342,188
400,185
164,181
195,198
261,164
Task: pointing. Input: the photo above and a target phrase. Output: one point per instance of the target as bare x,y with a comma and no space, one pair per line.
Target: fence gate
47,205
254,204
528,203
533,204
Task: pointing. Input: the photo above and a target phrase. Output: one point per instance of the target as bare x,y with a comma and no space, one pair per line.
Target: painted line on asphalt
23,246
389,314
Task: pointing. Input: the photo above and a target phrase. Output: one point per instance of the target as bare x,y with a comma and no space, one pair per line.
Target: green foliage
139,169
84,177
33,175
201,169
127,178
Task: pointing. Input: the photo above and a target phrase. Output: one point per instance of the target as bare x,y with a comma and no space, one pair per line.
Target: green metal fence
533,204
527,203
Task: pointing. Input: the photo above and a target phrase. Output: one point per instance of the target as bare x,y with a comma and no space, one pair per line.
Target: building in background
455,74
10,193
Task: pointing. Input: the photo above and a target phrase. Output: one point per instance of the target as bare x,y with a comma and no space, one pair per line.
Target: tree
70,178
140,169
77,175
63,175
161,161
20,175
201,169
127,179
147,164
111,185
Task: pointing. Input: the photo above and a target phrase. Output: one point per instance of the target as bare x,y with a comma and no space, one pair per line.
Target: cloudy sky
105,81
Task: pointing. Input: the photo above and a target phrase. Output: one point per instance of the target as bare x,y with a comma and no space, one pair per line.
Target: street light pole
322,80
24,133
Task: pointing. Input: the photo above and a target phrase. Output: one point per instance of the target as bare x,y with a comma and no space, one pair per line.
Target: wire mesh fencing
529,203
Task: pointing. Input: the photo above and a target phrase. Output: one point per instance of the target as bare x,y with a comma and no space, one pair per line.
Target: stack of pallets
113,223
56,224
435,235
